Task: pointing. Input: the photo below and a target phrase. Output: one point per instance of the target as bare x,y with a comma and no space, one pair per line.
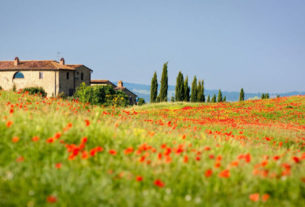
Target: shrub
0,88
105,95
35,90
141,101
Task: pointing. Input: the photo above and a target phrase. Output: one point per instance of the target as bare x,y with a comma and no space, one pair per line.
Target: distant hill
143,91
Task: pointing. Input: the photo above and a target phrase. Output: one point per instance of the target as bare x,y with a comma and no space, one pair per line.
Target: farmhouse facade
54,77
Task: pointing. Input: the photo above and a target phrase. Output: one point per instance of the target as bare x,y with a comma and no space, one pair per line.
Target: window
82,76
40,75
18,75
68,75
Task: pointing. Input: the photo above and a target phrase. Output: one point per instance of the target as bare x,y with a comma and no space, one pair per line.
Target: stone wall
66,86
86,76
31,79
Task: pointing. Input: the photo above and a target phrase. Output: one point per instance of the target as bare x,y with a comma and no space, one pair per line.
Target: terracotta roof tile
34,65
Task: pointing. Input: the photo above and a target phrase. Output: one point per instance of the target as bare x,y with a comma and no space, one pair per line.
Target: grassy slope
175,143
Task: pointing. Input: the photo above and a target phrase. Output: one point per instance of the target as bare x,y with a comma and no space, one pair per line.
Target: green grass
162,137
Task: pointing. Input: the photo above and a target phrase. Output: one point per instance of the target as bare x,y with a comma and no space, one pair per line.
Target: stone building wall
31,79
86,76
66,86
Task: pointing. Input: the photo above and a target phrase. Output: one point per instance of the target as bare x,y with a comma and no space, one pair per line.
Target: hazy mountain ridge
143,91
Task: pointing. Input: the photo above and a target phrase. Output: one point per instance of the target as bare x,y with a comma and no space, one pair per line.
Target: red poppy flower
265,197
208,173
139,178
112,152
87,122
224,174
254,197
35,138
58,165
9,124
159,183
15,139
51,199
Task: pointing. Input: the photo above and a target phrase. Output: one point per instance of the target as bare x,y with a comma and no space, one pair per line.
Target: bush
141,101
0,88
35,90
105,95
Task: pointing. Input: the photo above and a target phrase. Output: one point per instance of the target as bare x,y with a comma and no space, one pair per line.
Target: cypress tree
214,98
186,90
219,97
164,84
194,90
203,96
179,93
242,95
154,89
200,97
224,99
209,99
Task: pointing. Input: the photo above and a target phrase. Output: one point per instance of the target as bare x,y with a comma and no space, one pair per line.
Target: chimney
16,61
120,84
62,61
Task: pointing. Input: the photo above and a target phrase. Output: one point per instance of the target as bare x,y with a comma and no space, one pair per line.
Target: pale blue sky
255,44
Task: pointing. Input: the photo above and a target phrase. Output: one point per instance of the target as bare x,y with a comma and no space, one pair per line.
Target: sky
257,45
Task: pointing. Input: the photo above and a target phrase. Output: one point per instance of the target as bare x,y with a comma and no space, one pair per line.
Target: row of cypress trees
183,91
154,97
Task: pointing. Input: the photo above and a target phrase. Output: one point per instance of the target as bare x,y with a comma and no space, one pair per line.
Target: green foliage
141,101
179,93
242,95
154,89
209,99
186,90
219,97
224,99
0,88
213,99
35,90
164,84
172,99
200,92
194,90
265,96
105,95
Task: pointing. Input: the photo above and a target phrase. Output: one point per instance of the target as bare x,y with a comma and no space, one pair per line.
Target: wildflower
20,159
11,111
159,183
224,174
35,138
265,197
51,199
139,178
129,150
57,135
58,165
87,122
296,159
185,159
9,124
112,152
254,197
15,139
208,173
50,140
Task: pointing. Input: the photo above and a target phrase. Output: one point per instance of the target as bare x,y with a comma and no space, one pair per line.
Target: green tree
242,95
194,90
209,99
219,97
179,93
154,89
186,90
200,96
224,99
141,101
214,98
164,84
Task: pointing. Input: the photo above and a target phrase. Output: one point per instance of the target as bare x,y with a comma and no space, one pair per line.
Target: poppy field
56,152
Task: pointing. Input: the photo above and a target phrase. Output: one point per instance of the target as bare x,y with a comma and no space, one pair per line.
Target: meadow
55,152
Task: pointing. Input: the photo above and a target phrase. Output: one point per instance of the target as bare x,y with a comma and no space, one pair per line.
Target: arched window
18,75
82,76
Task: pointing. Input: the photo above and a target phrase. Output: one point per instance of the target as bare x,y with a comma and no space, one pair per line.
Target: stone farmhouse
55,77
